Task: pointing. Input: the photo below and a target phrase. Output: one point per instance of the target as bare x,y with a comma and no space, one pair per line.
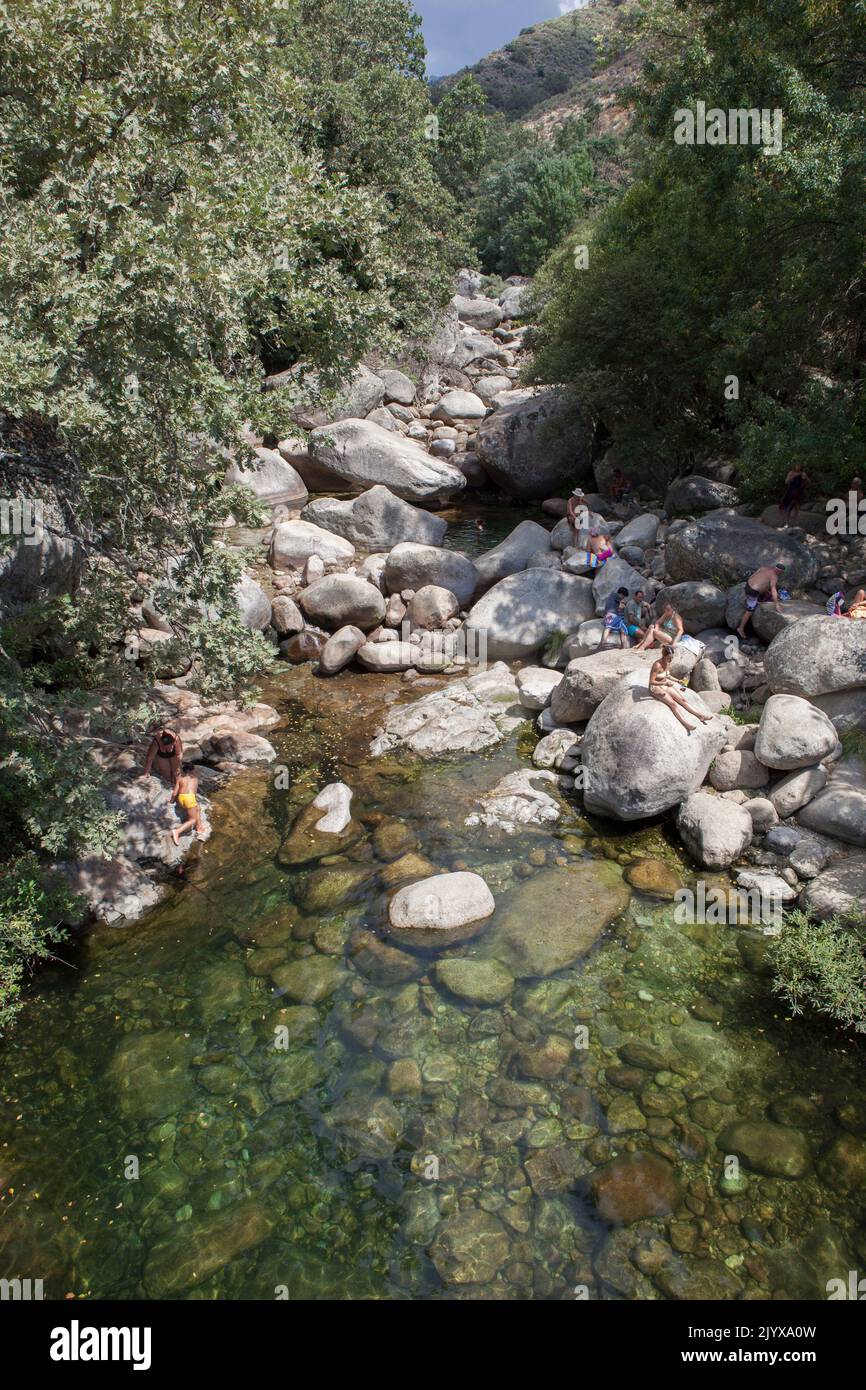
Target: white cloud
567,6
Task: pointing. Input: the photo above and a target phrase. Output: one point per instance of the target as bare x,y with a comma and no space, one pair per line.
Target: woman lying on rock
662,686
665,633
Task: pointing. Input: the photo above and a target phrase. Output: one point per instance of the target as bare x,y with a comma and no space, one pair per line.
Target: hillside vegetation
545,61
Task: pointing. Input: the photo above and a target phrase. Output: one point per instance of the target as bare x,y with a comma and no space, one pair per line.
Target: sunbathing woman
663,687
665,633
857,606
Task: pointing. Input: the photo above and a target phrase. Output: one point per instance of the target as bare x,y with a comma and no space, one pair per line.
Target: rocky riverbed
420,1019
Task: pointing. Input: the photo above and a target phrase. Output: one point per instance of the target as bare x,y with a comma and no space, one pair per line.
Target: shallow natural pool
402,1141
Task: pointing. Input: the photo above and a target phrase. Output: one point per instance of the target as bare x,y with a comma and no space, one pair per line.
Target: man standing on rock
761,587
578,516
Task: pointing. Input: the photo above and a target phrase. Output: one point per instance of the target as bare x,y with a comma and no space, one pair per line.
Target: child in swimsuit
185,789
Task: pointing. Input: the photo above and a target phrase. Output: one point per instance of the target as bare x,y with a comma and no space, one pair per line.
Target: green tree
723,261
462,136
190,195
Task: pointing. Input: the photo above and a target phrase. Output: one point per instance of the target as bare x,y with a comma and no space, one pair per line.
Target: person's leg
681,700
182,829
648,638
667,699
744,622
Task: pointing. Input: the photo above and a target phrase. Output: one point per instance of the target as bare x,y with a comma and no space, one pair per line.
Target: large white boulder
589,679
376,520
524,453
817,656
795,791
294,542
714,831
342,599
443,904
364,454
727,549
478,311
270,478
411,566
510,556
792,733
638,760
536,685
840,809
520,613
459,405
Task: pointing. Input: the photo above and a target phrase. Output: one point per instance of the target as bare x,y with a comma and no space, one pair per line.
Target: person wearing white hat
578,516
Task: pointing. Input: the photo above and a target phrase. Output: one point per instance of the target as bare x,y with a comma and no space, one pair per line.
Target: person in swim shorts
613,619
638,614
761,587
186,795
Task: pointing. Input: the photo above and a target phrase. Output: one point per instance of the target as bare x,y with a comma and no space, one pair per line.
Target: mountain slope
553,62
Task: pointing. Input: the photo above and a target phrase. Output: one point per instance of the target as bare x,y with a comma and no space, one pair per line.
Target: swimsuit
754,597
187,800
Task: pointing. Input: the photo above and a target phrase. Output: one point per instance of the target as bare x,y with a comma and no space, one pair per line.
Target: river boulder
525,454
376,520
696,494
364,454
411,566
341,599
549,923
699,603
727,549
294,542
817,656
520,613
840,809
271,478
792,733
440,910
638,760
511,555
714,831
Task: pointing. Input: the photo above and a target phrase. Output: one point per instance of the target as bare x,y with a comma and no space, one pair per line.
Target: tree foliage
723,261
191,195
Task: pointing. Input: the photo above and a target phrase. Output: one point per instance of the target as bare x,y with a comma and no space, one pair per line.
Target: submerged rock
467,716
470,1247
552,920
635,1187
313,835
202,1246
516,800
477,981
775,1150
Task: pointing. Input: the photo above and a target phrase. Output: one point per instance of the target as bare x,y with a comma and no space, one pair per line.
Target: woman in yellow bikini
185,789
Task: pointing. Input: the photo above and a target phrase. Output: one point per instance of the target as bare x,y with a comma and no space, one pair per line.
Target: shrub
820,967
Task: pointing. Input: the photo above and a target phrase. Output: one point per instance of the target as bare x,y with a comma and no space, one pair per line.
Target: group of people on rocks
165,758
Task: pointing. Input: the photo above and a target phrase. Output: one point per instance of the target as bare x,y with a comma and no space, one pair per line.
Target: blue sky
459,32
